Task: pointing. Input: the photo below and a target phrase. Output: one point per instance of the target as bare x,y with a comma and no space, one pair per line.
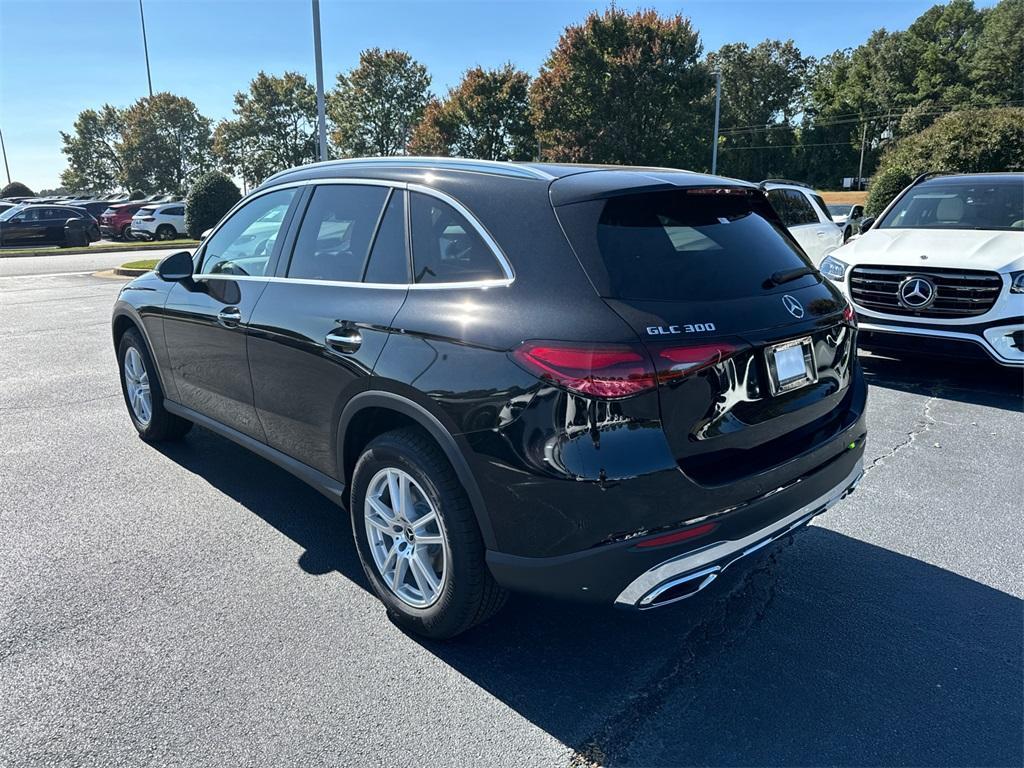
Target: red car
116,221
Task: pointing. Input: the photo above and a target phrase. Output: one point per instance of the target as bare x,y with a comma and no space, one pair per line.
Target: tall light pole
718,109
145,48
321,117
4,150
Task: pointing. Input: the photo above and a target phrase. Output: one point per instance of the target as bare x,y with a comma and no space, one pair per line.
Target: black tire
126,233
162,424
469,595
165,232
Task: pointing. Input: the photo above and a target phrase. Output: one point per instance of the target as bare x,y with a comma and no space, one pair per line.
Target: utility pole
863,141
321,117
145,49
718,109
4,149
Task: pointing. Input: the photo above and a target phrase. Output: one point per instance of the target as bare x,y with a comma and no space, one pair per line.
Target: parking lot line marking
50,274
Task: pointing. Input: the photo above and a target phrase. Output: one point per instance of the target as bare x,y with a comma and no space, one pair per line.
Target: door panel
301,381
318,331
204,327
205,318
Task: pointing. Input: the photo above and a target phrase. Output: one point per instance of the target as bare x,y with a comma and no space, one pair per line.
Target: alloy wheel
136,381
405,537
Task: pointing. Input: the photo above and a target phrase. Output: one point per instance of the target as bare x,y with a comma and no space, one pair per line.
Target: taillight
615,370
145,218
674,362
597,370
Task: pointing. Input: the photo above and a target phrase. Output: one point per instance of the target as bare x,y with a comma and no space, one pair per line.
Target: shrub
211,197
16,189
965,141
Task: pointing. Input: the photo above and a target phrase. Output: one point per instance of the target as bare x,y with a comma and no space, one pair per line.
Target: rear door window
793,208
334,239
681,245
389,259
446,247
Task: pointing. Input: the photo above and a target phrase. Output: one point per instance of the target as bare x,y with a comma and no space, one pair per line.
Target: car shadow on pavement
825,651
979,382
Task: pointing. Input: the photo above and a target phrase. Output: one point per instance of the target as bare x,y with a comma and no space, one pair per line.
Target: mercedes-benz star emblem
794,307
916,292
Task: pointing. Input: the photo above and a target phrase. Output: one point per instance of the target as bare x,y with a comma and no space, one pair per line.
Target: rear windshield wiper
787,275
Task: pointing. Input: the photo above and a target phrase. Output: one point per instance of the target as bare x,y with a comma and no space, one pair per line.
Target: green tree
997,65
942,39
966,141
829,135
212,195
165,144
16,189
762,91
486,116
93,150
376,106
625,88
274,127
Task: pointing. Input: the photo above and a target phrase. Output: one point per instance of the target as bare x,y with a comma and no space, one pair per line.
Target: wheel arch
372,413
125,320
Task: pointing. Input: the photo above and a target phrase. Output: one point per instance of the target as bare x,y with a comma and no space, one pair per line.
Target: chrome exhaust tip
679,589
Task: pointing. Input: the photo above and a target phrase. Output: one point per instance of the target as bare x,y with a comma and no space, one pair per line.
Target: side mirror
865,224
176,267
206,234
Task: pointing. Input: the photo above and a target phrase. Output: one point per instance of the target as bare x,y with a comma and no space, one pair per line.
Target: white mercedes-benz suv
941,270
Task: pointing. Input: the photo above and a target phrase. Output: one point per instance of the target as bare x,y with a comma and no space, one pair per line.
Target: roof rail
786,181
493,167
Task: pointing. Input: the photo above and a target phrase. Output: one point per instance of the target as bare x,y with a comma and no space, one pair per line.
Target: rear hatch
753,347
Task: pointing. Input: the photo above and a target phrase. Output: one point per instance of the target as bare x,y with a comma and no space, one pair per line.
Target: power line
854,120
791,146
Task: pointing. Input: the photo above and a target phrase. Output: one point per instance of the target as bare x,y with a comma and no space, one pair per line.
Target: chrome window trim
349,284
491,243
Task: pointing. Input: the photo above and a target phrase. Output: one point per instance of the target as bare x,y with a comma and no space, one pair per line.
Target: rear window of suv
702,244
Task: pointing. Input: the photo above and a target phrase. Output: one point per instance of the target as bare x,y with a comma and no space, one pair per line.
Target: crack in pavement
724,623
921,427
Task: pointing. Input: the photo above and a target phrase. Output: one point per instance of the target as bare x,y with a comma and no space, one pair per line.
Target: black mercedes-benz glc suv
588,382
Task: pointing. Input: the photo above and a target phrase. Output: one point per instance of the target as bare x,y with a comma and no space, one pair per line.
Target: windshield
838,210
700,244
10,213
960,204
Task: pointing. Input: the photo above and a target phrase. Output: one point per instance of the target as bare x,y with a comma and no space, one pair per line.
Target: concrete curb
128,272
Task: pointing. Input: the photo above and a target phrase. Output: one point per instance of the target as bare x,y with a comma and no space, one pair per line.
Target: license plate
791,365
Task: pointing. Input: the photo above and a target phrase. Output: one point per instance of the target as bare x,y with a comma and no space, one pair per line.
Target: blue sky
59,57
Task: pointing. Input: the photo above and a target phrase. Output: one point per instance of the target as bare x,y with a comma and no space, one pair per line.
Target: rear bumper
626,574
686,575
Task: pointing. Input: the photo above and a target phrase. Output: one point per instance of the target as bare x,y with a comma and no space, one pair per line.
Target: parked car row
34,220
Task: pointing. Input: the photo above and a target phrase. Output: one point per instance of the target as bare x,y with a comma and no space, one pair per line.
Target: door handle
344,340
229,317
822,235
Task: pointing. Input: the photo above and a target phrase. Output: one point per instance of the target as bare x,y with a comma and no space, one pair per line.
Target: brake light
613,371
605,370
145,218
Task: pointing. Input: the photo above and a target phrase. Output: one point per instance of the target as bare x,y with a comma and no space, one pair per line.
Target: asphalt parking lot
193,604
